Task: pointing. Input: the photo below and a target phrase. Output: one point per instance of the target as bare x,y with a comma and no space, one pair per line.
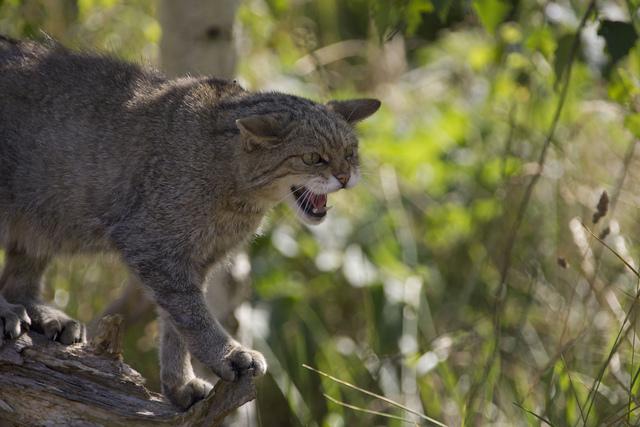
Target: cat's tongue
319,200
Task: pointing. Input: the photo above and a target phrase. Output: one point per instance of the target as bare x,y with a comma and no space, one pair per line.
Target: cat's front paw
186,395
239,361
14,320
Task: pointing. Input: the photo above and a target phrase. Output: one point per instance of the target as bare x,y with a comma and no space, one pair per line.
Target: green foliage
491,12
399,291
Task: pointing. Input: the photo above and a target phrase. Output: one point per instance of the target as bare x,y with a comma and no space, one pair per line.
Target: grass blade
372,394
540,417
573,389
368,411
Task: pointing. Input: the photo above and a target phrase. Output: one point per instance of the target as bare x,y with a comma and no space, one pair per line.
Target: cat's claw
55,324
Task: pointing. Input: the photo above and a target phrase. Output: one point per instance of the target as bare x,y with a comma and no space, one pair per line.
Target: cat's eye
349,153
312,159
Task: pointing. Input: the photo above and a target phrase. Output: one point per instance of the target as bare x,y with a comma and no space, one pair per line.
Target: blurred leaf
511,33
563,51
415,9
481,56
386,17
543,41
392,16
623,87
619,38
632,122
280,6
491,13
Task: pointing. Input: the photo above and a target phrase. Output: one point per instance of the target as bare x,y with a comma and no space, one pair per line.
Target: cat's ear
265,130
354,110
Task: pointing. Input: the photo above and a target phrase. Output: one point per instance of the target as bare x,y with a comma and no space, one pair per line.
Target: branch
45,383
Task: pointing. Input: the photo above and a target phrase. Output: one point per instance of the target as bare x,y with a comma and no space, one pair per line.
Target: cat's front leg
206,339
176,289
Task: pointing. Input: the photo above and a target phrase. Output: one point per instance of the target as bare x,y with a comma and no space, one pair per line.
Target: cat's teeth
324,209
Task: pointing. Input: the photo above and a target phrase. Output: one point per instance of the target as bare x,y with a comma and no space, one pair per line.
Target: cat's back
61,81
68,147
63,114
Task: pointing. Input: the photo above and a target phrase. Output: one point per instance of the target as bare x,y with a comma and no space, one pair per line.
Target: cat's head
302,154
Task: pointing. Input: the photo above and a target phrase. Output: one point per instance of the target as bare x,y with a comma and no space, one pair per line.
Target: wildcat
97,154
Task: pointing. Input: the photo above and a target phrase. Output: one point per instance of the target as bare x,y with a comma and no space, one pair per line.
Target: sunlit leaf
542,40
632,122
415,9
491,13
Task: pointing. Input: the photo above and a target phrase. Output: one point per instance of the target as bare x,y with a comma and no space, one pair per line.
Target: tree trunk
43,383
197,37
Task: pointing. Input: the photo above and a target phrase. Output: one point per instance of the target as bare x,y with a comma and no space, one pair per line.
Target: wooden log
43,383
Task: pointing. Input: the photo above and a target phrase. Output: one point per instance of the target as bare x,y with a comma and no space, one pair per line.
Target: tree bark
43,383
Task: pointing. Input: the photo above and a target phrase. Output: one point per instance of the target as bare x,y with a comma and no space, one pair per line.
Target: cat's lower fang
321,210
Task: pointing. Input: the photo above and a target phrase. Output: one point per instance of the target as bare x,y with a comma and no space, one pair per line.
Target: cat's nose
343,178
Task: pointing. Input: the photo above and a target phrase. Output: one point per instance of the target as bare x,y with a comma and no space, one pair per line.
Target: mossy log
43,383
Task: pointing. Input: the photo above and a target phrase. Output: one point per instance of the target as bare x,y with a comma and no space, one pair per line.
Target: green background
457,278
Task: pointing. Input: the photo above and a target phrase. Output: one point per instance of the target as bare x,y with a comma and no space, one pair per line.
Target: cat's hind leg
179,383
21,284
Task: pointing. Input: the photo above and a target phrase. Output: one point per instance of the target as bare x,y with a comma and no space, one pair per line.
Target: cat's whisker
292,193
299,205
305,196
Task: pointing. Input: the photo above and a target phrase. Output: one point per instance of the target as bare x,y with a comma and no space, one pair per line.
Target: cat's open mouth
312,205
